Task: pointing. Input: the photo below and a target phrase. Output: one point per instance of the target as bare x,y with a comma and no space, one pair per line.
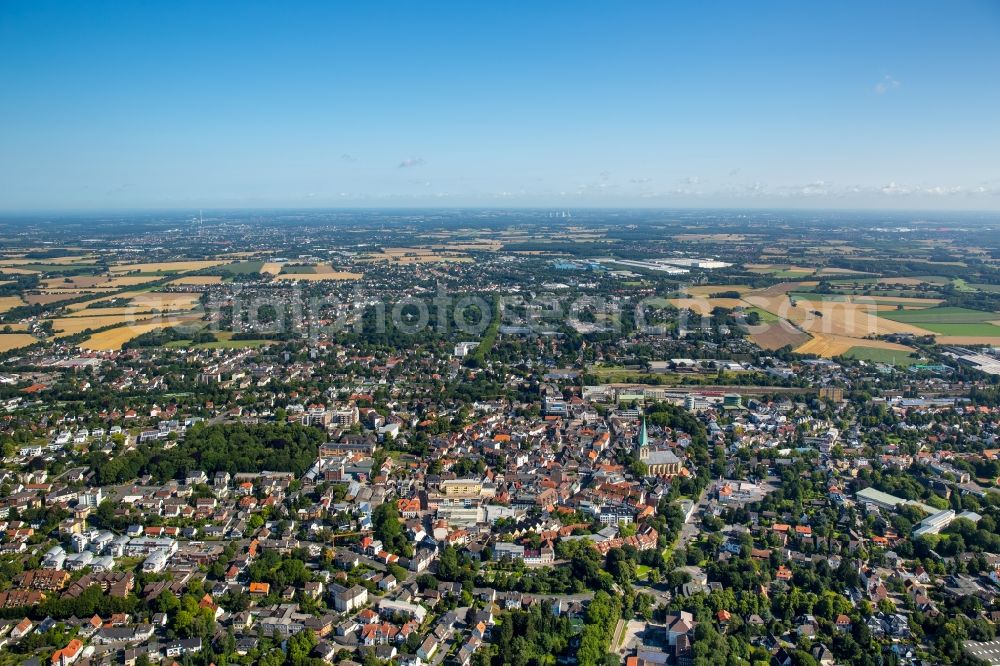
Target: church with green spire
659,462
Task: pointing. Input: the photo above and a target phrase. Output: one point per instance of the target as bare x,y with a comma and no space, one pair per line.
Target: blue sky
111,105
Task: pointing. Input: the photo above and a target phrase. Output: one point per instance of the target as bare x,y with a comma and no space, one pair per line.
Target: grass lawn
978,330
225,341
59,268
949,320
850,281
659,302
933,279
887,356
242,267
765,316
234,344
815,296
297,270
941,315
962,285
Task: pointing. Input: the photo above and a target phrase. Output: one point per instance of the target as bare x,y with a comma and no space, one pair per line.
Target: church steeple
642,444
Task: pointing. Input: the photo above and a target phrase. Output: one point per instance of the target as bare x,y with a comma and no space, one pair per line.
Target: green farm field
949,320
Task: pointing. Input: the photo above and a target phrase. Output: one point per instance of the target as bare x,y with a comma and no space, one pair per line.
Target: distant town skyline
113,106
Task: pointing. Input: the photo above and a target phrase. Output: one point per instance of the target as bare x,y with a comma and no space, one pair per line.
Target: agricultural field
777,334
780,270
271,267
827,325
127,281
74,325
197,280
165,267
704,306
296,269
10,302
829,346
224,341
52,261
415,255
114,338
315,272
49,298
242,267
949,321
74,282
10,341
887,356
143,301
706,290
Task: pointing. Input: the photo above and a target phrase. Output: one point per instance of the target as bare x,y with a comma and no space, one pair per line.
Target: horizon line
420,207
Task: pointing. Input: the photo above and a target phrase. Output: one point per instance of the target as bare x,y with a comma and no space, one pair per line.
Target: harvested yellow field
74,325
16,271
829,346
777,334
165,302
114,338
831,317
271,267
145,301
198,280
103,312
165,266
74,282
704,306
10,341
45,299
9,302
834,326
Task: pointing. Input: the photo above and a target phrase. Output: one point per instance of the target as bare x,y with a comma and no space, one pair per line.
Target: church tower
643,442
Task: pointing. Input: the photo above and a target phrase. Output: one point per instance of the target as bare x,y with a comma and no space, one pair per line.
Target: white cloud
411,162
886,84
